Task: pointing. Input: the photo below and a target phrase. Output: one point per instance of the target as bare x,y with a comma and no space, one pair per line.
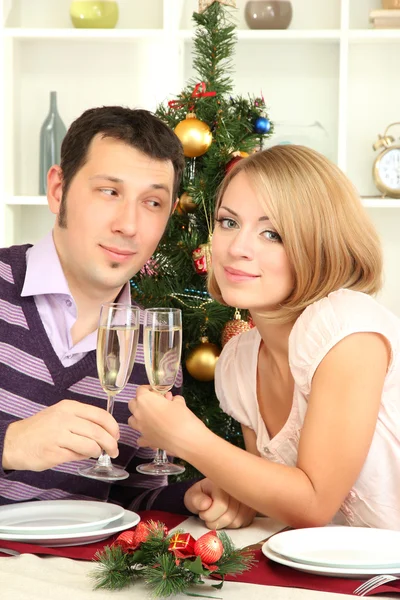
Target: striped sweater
32,378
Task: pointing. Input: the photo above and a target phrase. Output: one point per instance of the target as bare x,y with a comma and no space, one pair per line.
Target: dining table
37,572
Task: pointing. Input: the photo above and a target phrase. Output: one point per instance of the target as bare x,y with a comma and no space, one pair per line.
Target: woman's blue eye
272,236
227,223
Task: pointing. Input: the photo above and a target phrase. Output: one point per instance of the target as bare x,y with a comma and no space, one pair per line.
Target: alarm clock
386,168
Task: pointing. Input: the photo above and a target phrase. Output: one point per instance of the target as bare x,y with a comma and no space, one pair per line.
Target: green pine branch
167,578
114,569
214,45
233,560
163,573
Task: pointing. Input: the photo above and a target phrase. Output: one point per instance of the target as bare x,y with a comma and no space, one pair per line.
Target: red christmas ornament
202,258
131,540
142,532
209,547
182,545
127,541
234,327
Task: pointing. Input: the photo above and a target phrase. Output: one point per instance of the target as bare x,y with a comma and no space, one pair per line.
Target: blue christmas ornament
262,125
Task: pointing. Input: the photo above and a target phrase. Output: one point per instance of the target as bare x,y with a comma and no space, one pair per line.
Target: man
113,194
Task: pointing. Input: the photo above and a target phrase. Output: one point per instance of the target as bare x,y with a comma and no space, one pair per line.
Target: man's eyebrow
265,218
160,186
108,177
153,186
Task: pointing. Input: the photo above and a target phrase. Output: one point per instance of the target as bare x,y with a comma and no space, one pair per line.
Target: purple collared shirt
46,282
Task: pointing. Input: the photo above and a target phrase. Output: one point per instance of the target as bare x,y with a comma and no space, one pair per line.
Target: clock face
389,169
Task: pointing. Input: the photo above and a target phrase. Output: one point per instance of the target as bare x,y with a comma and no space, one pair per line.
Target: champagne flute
117,341
162,341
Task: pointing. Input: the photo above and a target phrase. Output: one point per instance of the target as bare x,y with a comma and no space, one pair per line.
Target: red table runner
265,572
88,551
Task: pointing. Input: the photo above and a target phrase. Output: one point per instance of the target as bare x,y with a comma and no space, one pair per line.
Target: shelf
288,35
375,202
359,36
285,35
282,35
380,202
84,34
26,201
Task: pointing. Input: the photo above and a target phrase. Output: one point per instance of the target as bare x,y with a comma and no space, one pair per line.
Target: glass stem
161,457
104,460
110,403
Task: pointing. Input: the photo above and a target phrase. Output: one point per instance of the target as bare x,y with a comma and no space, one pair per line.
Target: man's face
117,208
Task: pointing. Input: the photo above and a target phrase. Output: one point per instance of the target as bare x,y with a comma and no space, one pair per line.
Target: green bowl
102,14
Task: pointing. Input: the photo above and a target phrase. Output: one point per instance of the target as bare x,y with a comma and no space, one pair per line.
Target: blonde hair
329,239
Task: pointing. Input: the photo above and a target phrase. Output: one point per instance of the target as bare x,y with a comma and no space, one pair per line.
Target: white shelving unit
328,67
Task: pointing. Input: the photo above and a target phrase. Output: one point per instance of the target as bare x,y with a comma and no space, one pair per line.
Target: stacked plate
337,551
63,522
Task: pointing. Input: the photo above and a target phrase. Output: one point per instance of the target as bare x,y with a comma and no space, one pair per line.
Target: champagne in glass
162,344
162,350
117,341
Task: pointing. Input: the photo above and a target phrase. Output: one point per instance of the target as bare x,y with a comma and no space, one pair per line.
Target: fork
373,583
9,551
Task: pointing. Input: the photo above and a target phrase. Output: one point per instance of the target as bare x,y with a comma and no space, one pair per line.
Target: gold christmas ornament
186,203
234,327
195,136
179,211
202,360
204,4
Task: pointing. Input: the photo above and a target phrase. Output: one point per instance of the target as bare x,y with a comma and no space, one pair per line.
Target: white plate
57,516
129,519
349,547
349,573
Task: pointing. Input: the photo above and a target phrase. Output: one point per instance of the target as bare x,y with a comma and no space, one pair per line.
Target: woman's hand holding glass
162,331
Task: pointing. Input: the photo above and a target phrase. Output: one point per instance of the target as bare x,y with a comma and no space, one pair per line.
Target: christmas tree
216,130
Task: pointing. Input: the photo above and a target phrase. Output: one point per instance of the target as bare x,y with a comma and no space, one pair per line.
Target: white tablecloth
29,577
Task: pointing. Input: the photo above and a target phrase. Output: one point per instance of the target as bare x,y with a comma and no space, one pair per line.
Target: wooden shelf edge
26,201
277,35
84,34
373,35
379,202
368,202
283,35
186,34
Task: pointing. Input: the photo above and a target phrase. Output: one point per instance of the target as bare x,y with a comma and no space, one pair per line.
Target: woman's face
249,261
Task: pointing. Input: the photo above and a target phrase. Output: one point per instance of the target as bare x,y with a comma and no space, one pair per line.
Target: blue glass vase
51,136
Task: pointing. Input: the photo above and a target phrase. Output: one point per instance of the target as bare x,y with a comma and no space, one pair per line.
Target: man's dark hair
136,127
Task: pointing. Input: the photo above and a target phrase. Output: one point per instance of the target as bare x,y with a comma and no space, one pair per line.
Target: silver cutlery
373,583
10,552
259,545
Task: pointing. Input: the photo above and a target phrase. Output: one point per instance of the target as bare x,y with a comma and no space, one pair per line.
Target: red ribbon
203,93
198,92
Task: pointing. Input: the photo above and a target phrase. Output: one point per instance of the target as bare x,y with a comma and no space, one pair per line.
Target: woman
316,384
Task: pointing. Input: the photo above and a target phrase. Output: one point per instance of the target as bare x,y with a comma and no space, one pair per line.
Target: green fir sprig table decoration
169,563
